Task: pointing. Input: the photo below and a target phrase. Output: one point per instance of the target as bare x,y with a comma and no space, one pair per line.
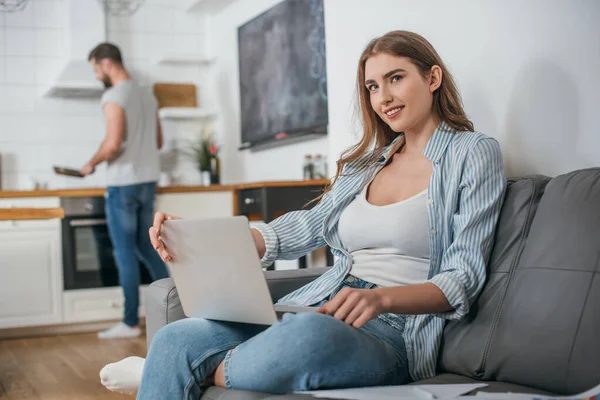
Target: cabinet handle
249,200
87,222
114,304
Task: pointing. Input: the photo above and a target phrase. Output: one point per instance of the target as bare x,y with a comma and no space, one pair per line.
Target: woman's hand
355,306
158,245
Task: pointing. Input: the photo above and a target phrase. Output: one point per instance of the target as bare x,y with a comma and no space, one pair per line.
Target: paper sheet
397,392
592,394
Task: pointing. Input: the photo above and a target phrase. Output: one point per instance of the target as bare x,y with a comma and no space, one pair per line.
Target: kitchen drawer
196,205
104,304
31,283
38,224
250,201
37,202
40,202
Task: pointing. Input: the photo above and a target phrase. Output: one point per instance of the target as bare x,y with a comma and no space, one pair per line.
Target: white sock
120,331
124,376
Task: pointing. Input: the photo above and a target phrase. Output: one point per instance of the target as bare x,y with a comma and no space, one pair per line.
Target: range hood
87,28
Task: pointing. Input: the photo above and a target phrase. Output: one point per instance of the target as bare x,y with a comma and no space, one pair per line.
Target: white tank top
389,244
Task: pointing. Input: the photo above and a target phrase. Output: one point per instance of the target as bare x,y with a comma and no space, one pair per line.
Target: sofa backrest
548,333
466,342
537,322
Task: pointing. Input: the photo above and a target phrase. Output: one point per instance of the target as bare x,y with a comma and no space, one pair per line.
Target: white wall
527,70
281,163
37,132
159,28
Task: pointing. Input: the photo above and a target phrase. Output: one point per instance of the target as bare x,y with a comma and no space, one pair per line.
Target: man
130,148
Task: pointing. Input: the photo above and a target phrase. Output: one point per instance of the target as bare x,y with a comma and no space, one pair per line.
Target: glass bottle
308,168
319,171
215,166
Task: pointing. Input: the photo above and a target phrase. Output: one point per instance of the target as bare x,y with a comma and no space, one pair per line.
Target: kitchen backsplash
37,132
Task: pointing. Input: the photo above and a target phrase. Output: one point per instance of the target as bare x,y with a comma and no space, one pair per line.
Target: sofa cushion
465,342
219,393
547,333
282,283
443,379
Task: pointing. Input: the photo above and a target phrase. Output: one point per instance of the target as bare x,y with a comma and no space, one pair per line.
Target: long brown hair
447,104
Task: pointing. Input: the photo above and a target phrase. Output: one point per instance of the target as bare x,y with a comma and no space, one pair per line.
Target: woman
410,217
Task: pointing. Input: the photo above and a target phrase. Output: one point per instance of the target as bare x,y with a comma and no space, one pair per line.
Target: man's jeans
129,215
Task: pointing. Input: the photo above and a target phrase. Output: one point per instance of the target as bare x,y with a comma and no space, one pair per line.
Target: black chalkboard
283,81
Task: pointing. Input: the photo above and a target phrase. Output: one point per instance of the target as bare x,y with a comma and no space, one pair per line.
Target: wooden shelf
206,6
185,59
185,113
254,185
169,189
100,191
14,214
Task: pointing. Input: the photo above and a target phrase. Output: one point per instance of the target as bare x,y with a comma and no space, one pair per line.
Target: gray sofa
536,326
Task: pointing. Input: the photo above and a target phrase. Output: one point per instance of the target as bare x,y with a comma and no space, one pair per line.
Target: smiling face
400,95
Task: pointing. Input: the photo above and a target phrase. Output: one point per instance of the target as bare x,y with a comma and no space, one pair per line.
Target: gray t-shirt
138,160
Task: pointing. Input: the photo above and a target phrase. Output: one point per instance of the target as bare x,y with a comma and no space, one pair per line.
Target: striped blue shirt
466,191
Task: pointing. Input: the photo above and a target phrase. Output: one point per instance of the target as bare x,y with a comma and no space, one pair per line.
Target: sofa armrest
163,305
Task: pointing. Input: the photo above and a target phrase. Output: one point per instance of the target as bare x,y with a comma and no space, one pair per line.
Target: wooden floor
61,367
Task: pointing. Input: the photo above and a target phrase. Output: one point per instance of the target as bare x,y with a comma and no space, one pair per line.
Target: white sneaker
124,376
120,331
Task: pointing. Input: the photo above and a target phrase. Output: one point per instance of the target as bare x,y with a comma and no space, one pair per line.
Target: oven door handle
87,222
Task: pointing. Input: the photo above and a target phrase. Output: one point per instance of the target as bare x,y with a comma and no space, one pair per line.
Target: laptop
217,271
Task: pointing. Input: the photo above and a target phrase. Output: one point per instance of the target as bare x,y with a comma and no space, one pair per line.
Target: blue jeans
129,215
303,351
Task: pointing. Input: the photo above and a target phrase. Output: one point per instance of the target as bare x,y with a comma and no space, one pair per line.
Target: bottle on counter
215,166
308,168
319,167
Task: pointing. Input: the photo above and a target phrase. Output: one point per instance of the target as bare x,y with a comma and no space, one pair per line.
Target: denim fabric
129,215
303,351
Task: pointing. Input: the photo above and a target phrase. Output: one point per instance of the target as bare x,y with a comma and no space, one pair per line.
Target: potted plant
204,152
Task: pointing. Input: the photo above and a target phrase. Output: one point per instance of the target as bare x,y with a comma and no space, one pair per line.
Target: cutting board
175,95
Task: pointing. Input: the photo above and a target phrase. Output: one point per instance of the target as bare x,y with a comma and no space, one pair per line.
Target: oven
88,260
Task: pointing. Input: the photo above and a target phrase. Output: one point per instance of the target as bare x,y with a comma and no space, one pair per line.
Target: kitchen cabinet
30,266
197,204
102,304
37,202
31,287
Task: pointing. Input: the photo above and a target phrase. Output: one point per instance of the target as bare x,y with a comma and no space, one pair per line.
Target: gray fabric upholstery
547,333
535,327
217,393
284,282
465,342
162,307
